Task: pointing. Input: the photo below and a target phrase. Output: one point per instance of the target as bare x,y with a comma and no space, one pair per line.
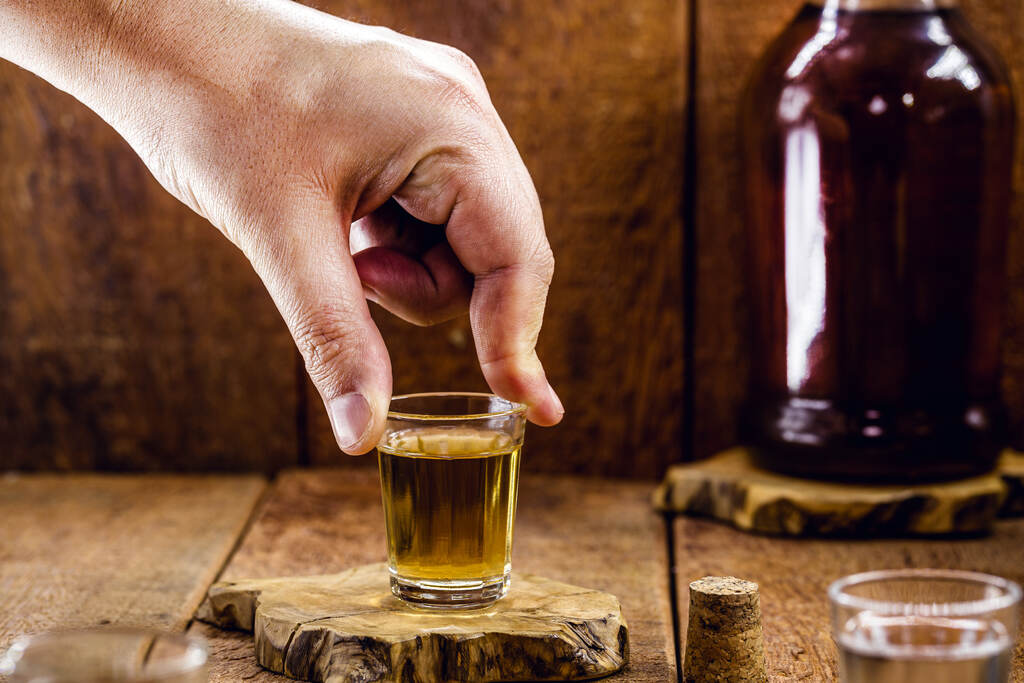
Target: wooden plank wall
729,38
132,336
1002,22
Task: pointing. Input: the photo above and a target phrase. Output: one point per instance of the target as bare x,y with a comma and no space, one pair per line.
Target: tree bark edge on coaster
731,488
349,628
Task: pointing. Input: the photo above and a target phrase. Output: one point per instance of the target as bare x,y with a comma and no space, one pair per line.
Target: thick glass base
450,595
819,439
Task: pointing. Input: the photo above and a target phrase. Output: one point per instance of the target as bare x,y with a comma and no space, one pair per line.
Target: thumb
307,268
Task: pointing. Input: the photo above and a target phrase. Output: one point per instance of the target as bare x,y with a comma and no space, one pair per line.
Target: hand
304,138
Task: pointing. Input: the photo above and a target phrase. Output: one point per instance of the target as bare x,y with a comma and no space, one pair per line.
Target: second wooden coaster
348,628
730,487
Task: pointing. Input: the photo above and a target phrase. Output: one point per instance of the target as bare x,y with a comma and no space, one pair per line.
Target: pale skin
347,162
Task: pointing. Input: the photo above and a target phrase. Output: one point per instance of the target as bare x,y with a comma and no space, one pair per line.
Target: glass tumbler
449,471
924,626
108,655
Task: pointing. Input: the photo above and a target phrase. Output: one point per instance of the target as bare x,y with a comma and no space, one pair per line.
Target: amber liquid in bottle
878,149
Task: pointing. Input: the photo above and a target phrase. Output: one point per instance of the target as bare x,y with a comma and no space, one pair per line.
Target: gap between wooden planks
596,533
83,550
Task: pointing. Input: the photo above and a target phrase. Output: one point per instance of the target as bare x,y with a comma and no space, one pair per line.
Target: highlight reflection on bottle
878,137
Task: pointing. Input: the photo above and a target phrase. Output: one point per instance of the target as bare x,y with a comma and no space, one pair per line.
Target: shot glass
108,655
924,626
449,472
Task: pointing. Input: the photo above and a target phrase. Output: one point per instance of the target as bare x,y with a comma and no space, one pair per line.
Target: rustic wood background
132,336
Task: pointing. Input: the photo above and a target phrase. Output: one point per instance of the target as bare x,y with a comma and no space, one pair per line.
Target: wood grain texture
348,628
730,38
87,550
132,334
731,488
604,536
1002,23
794,574
593,93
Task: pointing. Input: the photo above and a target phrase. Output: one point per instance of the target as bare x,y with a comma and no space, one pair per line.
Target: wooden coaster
349,628
731,488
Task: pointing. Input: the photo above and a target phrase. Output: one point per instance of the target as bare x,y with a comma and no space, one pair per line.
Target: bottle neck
900,5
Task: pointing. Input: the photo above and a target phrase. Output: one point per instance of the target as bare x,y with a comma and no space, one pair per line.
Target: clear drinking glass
110,655
924,626
449,471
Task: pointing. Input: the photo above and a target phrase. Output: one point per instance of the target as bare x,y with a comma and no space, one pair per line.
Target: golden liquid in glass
449,503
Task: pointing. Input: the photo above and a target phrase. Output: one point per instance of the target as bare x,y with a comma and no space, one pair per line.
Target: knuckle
385,34
456,91
460,83
466,64
327,344
544,262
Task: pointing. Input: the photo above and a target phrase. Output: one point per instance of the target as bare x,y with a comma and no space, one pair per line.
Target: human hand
304,138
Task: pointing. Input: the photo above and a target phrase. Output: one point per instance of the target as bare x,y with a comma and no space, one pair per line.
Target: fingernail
350,418
558,402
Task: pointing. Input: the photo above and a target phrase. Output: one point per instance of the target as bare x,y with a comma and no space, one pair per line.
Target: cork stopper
723,639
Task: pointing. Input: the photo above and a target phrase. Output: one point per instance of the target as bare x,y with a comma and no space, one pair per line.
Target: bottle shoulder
920,59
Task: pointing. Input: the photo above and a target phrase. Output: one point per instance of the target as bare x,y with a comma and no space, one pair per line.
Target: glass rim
512,409
1011,593
196,659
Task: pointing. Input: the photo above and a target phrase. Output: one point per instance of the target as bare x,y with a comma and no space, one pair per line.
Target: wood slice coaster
349,628
729,487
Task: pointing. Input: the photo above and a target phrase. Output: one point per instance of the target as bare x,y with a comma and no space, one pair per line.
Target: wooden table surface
79,550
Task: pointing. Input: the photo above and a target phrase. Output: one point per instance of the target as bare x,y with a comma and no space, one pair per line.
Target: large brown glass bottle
878,140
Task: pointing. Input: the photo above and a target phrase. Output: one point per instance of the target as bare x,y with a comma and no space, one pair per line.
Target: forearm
125,58
57,40
73,45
